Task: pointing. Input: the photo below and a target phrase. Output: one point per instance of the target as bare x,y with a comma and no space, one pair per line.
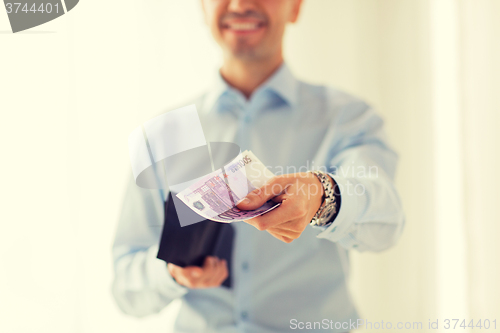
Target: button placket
243,286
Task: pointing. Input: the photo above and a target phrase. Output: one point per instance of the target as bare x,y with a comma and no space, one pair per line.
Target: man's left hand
300,194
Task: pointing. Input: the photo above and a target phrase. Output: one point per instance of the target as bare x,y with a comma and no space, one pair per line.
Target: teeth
243,26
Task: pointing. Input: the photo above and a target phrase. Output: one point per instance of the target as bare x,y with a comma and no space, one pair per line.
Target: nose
241,6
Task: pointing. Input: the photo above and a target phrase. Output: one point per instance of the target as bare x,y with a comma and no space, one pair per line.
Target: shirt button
244,266
244,315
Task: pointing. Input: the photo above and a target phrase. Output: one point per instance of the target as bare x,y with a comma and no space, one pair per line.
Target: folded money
216,195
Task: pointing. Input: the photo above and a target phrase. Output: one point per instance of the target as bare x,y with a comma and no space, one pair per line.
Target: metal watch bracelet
329,206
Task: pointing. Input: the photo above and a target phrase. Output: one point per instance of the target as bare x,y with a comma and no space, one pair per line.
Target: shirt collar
281,82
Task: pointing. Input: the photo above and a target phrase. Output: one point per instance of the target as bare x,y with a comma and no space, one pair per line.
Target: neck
247,75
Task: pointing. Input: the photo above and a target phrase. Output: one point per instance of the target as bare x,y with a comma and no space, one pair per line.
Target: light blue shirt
291,126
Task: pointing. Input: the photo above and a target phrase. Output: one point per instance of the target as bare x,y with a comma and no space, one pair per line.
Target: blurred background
73,89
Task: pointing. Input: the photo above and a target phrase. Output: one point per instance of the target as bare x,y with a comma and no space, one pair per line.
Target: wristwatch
328,208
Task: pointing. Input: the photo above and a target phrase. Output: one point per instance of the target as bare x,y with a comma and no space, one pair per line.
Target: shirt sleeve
142,284
362,164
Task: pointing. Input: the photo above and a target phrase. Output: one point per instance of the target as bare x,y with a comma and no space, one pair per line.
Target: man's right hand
211,275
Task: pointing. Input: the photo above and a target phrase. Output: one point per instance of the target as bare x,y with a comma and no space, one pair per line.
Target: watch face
327,213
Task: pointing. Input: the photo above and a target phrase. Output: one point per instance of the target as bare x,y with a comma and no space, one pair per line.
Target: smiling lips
243,26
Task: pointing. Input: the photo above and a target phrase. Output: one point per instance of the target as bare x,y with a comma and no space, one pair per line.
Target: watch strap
329,201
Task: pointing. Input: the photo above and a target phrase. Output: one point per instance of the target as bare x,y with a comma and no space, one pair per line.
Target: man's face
250,29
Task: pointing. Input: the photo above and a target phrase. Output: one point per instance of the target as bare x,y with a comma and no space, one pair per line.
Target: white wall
73,89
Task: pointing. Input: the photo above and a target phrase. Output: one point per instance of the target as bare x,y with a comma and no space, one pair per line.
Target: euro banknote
216,195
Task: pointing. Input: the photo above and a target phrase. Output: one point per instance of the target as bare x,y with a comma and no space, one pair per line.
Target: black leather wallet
189,245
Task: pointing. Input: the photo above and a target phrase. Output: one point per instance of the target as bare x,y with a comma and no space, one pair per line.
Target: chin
245,54
244,50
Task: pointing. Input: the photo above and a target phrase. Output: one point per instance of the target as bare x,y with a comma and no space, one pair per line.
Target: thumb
260,196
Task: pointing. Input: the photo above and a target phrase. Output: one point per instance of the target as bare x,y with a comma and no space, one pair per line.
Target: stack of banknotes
216,195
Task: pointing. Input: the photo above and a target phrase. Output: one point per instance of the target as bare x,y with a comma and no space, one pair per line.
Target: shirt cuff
353,198
160,276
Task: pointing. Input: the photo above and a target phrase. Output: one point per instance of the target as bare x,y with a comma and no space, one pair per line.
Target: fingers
280,236
300,195
293,234
215,271
186,276
212,274
189,271
287,232
218,272
279,198
260,196
289,210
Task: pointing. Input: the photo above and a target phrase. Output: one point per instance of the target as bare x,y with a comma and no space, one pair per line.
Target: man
286,274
